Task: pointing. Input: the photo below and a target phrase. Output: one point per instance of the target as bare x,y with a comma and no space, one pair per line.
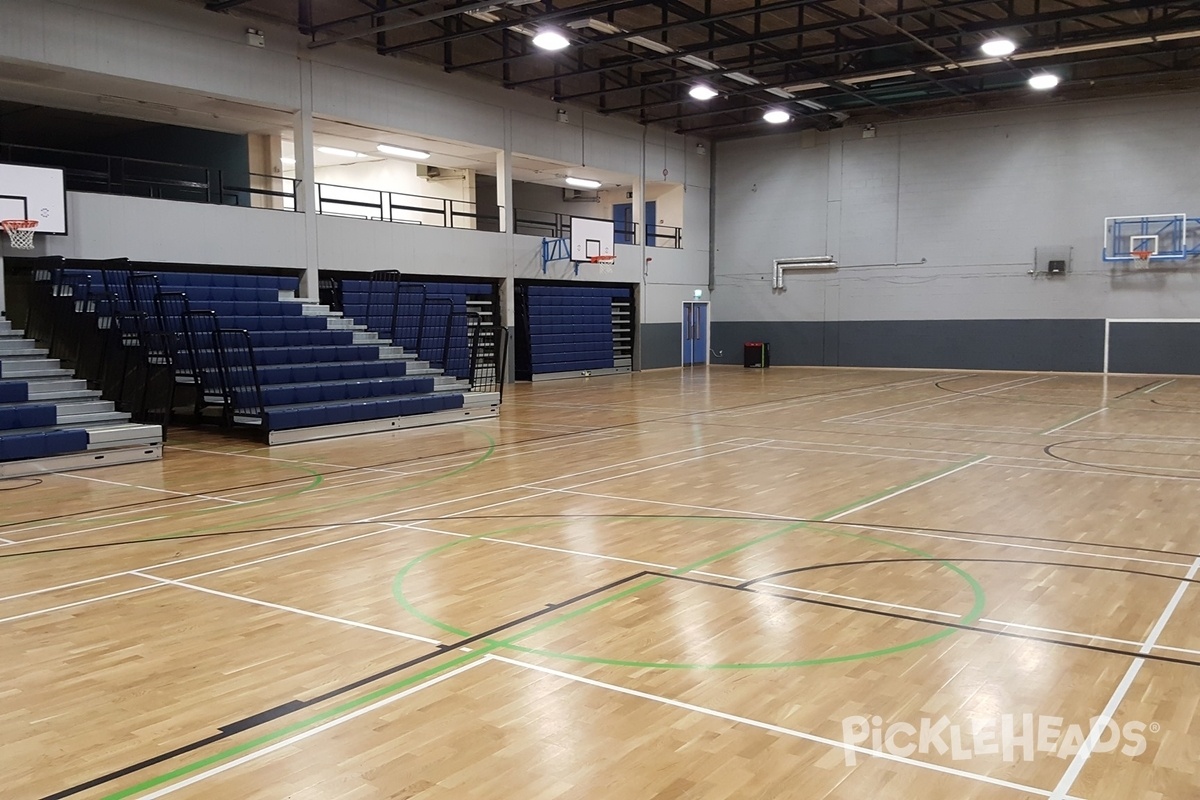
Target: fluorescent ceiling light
596,25
650,44
339,151
702,92
550,39
813,104
780,93
702,63
288,161
998,48
403,152
583,183
776,116
485,14
741,77
1043,81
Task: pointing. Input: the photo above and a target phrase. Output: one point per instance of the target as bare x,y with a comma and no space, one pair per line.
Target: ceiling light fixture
583,183
998,48
776,116
1043,81
340,151
550,39
702,91
402,152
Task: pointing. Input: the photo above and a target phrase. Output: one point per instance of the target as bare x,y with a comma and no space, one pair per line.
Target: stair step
122,433
30,367
63,394
88,406
21,348
97,416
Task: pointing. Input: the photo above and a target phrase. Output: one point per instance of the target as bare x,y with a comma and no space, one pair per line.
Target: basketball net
1141,258
20,232
605,263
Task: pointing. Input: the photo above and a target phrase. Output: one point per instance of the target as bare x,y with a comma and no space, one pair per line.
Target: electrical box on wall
1052,261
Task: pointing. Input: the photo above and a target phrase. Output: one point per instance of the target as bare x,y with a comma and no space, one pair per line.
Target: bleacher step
21,348
31,368
122,434
74,408
97,416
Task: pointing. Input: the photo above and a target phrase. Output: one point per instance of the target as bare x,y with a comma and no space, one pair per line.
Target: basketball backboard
590,238
35,193
1164,236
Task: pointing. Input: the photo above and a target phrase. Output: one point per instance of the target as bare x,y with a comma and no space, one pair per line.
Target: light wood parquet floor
714,583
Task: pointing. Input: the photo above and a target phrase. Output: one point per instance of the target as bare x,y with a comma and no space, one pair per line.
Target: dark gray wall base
661,344
1057,345
1158,347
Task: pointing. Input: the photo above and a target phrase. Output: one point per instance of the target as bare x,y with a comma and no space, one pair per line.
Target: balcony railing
162,180
409,209
138,177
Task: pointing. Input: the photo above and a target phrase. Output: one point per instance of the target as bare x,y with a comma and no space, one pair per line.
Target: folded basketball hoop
1141,258
20,232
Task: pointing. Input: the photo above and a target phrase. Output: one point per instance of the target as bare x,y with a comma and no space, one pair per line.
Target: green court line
307,510
490,645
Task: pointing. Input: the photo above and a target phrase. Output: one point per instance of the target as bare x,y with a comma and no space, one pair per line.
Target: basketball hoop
604,262
1141,258
20,232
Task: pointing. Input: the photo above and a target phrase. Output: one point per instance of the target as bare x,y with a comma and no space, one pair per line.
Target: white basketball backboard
34,193
590,238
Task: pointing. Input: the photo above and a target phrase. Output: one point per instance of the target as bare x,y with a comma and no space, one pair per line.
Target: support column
306,190
508,227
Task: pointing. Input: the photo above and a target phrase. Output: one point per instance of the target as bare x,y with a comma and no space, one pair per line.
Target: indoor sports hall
594,399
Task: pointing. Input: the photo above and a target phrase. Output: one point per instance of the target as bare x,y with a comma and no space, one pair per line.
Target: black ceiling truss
854,57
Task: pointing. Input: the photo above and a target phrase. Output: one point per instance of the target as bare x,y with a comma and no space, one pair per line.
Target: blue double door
695,333
623,223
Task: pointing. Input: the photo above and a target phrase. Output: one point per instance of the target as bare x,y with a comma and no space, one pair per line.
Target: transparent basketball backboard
1163,236
591,238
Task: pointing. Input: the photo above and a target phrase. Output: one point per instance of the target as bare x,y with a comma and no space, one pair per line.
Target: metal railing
409,209
95,173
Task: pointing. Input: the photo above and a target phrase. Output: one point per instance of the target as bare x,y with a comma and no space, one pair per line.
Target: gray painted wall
940,220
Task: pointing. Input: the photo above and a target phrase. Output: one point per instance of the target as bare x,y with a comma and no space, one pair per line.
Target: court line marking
1072,422
788,403
1098,727
1159,386
930,402
278,607
86,530
991,390
148,488
302,735
6,541
767,726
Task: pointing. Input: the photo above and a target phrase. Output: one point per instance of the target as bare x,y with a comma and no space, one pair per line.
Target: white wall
940,218
345,182
176,52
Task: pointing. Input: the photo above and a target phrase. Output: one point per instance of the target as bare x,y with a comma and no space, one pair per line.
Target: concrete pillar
306,190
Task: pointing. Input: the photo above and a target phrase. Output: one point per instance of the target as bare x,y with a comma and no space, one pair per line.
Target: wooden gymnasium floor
658,586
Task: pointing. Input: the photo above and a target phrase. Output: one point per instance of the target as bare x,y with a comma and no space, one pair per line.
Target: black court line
880,526
292,706
910,618
1049,450
402,461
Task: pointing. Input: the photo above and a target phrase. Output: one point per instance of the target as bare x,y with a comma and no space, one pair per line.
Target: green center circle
510,643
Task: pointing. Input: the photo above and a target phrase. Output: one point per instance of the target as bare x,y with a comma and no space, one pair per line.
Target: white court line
788,403
77,603
1072,422
147,488
333,723
6,541
810,737
1101,722
1159,386
624,475
86,530
906,489
292,609
929,402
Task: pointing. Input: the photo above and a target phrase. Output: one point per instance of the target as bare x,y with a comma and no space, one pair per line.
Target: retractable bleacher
290,368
